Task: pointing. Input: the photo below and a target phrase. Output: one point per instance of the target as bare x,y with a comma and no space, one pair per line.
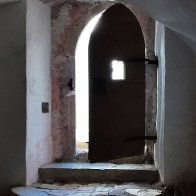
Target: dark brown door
117,105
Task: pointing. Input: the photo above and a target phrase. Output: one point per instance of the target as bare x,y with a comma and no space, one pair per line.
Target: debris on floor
95,189
142,192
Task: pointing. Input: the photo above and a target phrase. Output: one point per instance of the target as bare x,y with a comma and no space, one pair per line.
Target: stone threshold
98,172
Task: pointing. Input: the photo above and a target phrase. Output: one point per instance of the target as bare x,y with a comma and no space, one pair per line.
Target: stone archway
68,21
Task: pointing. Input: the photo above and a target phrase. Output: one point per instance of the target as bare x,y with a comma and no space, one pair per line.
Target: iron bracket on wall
70,84
152,62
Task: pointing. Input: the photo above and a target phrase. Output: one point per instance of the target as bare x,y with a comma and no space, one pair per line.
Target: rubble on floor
95,189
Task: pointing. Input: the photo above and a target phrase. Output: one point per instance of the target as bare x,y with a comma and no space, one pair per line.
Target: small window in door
118,70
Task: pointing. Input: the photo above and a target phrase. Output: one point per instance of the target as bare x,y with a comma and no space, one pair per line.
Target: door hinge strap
154,61
148,138
154,138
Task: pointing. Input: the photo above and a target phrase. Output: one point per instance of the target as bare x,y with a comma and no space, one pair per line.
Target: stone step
98,172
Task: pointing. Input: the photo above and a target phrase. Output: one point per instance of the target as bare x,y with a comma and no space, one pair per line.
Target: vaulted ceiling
178,15
7,1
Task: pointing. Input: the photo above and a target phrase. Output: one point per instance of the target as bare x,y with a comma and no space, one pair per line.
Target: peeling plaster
68,22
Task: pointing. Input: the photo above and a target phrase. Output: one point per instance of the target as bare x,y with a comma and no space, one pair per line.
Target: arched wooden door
117,106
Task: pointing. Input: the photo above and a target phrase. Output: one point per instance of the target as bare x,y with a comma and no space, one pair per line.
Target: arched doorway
117,86
82,85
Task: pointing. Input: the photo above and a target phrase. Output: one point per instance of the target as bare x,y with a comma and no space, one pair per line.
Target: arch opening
82,84
117,62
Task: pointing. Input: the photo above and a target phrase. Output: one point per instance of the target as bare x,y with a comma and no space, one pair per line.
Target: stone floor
128,189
